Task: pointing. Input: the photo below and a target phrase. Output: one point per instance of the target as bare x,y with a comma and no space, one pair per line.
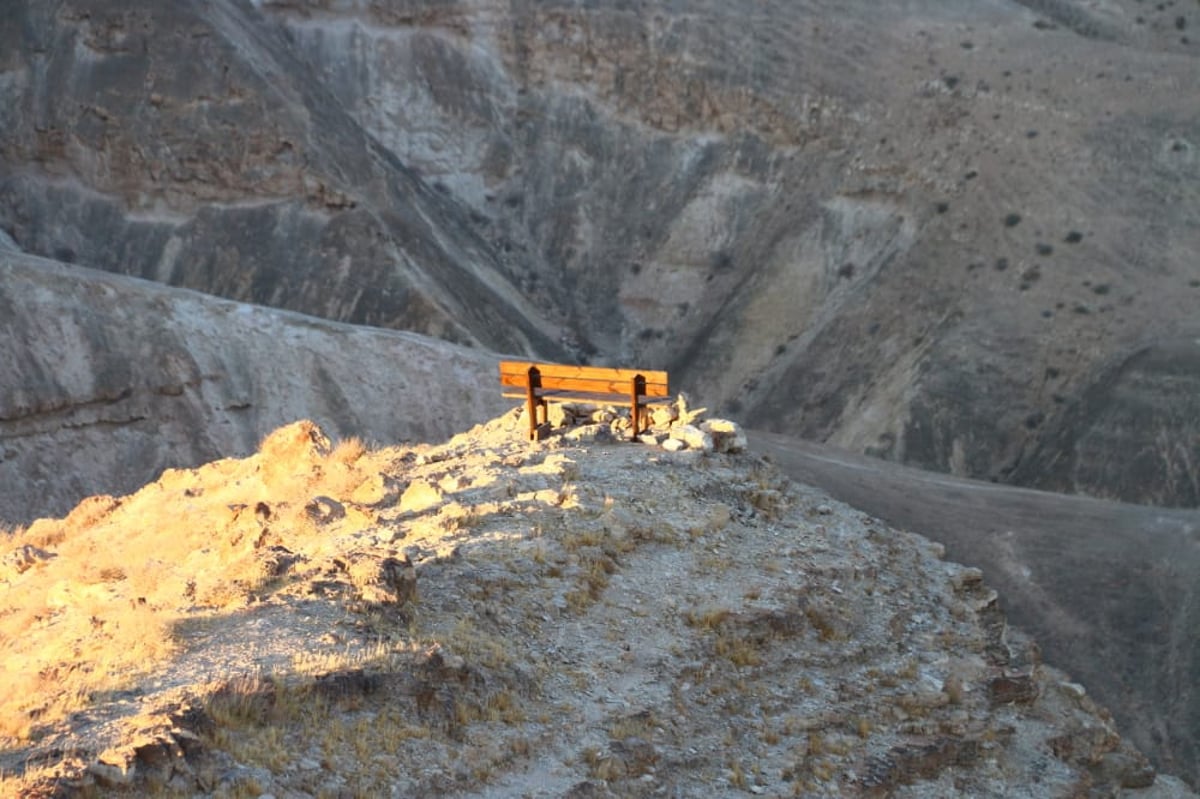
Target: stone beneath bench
674,427
693,437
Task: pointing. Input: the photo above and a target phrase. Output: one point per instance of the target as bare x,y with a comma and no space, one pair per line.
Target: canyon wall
926,232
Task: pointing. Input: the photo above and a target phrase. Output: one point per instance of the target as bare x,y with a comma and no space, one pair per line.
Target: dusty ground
492,617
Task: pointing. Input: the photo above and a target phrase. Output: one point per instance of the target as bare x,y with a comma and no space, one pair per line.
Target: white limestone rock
693,437
727,435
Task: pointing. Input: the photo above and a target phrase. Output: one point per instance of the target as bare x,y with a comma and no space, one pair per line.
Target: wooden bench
542,382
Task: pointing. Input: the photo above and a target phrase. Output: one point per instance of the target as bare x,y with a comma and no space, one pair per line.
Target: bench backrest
586,379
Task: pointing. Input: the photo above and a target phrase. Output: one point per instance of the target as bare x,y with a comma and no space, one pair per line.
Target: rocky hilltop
109,380
954,236
492,617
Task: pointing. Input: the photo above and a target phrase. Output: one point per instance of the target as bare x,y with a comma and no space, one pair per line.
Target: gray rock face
105,381
924,231
188,143
892,252
1134,432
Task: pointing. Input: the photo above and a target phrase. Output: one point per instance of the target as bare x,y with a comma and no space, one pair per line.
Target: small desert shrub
709,619
478,647
739,650
863,727
823,621
348,450
503,706
246,699
638,725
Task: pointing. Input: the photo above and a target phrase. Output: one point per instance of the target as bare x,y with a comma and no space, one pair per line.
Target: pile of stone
673,426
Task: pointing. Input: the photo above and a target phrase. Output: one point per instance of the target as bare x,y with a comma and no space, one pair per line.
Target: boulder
559,414
727,436
299,441
325,509
383,580
376,490
22,559
603,415
693,437
1012,688
588,434
420,496
663,415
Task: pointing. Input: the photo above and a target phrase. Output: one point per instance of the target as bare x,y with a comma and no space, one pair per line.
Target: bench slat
591,386
574,370
583,396
593,379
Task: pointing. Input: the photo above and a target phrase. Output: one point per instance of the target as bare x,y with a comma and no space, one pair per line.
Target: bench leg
637,387
531,406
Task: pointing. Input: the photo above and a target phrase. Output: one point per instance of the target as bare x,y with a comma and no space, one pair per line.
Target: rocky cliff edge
578,616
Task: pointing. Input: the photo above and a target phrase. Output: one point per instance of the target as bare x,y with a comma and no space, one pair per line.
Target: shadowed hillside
1107,589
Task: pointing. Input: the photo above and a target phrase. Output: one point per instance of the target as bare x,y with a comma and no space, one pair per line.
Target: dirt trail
1108,589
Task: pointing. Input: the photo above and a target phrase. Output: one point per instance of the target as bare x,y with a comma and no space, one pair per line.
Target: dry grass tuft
637,725
246,699
478,647
709,619
348,451
739,650
824,621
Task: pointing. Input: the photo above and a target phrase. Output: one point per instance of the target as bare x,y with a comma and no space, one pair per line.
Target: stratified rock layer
107,381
